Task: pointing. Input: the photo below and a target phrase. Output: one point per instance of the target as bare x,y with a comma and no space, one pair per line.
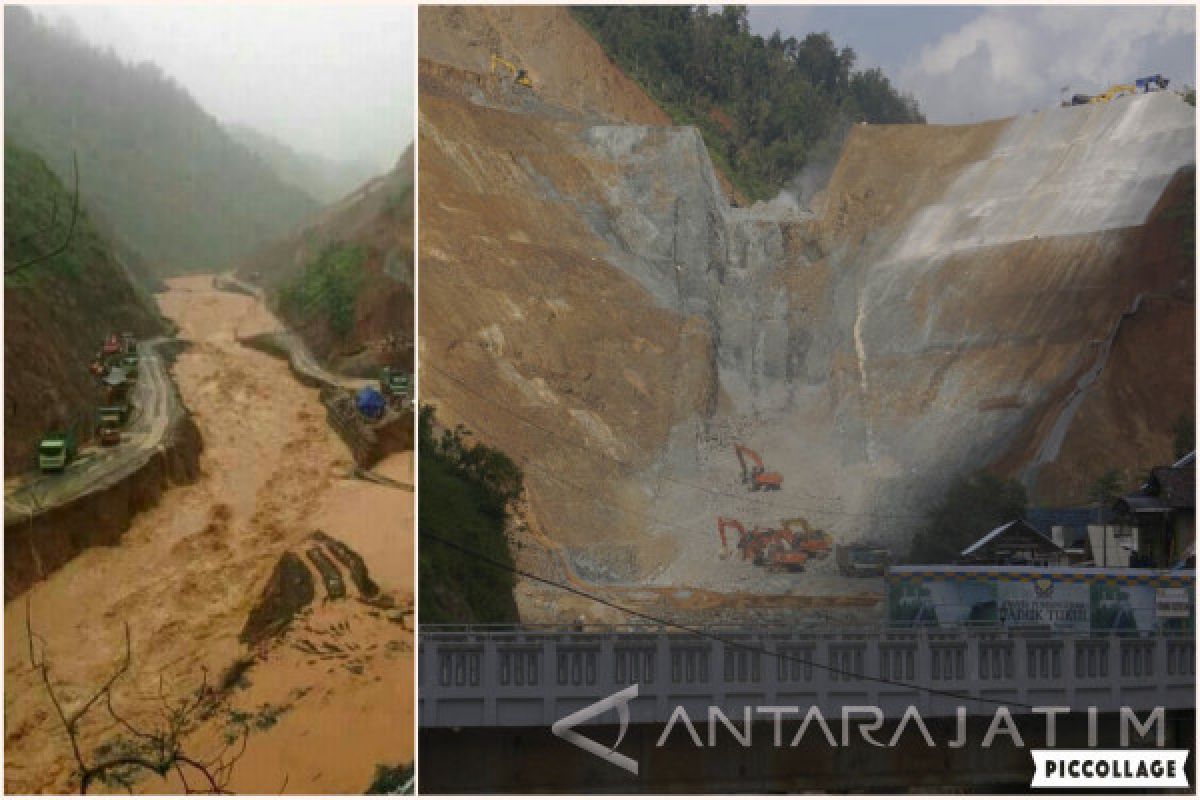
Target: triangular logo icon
619,702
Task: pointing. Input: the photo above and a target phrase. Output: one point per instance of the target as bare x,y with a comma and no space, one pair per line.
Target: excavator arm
727,522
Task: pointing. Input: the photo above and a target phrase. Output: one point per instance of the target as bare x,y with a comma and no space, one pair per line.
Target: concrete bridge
488,697
530,676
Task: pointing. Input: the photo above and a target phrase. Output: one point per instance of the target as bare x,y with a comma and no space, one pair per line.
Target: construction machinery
765,547
396,385
130,365
114,415
1151,83
722,524
775,550
108,437
56,450
1113,92
862,559
520,77
755,475
813,542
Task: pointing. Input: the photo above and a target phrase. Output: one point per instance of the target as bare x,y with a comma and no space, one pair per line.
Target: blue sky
966,63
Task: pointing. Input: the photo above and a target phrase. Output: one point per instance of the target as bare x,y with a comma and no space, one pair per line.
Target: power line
425,364
701,632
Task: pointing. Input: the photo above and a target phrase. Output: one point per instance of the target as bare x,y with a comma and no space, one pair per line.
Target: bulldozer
755,475
520,77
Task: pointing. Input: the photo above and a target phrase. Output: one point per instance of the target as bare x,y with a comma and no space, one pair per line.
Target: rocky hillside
161,172
592,305
57,311
344,280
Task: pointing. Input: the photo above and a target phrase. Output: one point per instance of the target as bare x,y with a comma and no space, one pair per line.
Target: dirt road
155,408
187,573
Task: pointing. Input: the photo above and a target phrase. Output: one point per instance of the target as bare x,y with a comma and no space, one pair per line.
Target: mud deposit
189,570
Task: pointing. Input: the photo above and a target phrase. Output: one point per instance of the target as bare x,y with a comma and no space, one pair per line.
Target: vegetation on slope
344,281
327,289
766,107
57,309
465,494
165,176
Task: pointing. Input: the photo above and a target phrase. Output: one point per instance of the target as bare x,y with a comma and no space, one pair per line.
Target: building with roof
1162,515
1015,543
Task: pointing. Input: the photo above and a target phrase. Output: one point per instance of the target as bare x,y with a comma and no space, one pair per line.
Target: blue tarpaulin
370,403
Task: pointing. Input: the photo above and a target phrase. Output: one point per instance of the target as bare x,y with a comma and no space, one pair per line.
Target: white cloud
1009,61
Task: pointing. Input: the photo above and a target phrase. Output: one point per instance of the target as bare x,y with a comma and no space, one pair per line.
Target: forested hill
160,171
767,107
324,179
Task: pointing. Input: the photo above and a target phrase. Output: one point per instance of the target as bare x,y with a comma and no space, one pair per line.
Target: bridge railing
533,675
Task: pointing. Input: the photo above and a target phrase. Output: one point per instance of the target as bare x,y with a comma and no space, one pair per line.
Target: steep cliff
58,311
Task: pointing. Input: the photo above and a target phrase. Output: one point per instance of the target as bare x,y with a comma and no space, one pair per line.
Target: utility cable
724,640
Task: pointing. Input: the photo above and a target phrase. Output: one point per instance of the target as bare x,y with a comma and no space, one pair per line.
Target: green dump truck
395,384
113,416
56,450
130,364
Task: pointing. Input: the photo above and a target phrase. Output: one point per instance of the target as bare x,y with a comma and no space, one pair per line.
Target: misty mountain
322,178
155,167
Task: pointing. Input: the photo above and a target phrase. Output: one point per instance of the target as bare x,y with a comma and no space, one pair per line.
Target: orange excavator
766,547
755,475
814,542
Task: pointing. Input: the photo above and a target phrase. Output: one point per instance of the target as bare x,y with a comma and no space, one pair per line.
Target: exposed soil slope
568,67
592,305
376,220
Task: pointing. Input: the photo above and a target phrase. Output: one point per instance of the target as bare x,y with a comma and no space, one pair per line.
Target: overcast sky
966,63
332,80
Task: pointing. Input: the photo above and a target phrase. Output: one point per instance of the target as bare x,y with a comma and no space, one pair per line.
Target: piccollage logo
618,702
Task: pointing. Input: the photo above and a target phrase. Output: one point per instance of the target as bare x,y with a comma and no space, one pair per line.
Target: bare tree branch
159,749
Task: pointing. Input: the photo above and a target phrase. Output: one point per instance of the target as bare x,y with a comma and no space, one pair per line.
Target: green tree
466,492
764,106
971,507
1104,491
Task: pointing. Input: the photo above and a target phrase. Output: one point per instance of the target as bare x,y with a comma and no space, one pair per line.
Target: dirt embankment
1125,420
517,280
54,324
35,549
377,220
189,570
568,67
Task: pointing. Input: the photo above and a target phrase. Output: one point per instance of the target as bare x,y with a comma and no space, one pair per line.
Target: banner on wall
1060,598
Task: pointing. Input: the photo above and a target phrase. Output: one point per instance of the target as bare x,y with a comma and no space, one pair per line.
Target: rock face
593,305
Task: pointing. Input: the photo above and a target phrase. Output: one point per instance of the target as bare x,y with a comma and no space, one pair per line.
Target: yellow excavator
1113,92
520,76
